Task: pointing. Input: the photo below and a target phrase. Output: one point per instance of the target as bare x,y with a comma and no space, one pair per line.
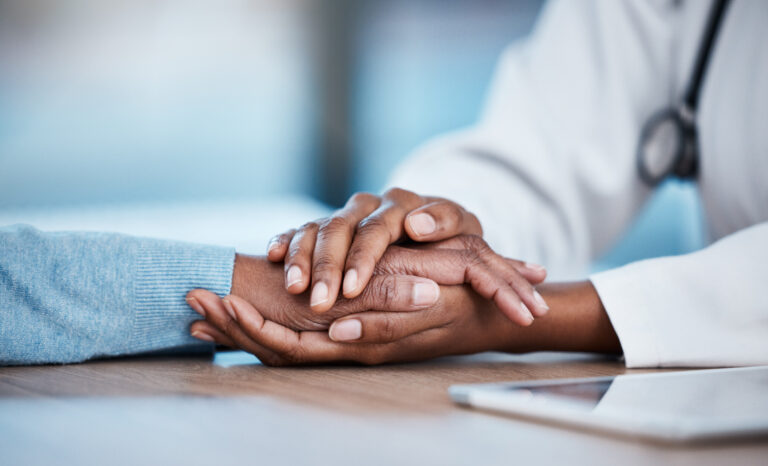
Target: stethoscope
668,142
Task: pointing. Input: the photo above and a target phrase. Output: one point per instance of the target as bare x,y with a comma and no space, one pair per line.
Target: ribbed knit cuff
163,275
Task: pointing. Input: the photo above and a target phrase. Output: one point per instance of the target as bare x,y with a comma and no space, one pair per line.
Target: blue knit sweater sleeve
68,296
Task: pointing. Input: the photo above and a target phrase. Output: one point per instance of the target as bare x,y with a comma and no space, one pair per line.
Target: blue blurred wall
133,100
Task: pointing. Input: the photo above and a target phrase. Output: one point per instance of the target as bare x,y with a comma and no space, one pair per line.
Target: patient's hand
260,282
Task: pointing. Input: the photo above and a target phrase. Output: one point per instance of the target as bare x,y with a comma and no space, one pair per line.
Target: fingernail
195,304
535,267
526,313
346,330
422,224
540,300
273,244
228,307
425,293
202,336
350,281
293,276
319,294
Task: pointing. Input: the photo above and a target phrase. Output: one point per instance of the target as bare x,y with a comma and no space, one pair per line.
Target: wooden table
231,410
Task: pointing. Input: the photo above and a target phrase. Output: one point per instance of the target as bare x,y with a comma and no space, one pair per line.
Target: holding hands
373,269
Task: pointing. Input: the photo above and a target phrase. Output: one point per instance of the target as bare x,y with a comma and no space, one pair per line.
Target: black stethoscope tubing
683,162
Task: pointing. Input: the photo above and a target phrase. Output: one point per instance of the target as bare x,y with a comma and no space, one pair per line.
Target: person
549,174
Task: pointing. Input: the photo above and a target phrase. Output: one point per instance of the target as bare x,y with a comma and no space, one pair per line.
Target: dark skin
459,322
340,253
403,280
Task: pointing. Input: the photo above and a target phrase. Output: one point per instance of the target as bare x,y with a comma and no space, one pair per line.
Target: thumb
440,220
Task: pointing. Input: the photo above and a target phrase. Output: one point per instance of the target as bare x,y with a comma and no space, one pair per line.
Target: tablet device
687,406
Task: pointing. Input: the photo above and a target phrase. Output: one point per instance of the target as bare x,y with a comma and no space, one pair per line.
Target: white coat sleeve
549,169
707,308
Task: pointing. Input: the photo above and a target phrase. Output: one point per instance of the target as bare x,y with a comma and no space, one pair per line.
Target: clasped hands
415,277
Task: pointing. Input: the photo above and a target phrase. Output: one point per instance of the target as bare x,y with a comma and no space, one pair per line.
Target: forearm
68,297
576,321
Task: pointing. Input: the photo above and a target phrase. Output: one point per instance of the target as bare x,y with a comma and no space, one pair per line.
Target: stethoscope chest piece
668,146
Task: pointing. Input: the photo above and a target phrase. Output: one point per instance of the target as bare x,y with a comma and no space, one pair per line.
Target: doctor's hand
466,326
353,240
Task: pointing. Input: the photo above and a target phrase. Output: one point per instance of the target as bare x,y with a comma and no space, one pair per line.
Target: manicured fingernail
350,281
346,330
526,313
202,336
540,300
319,294
422,224
228,307
425,293
535,267
293,276
195,304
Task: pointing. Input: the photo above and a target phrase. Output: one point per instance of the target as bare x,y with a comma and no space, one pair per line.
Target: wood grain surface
232,410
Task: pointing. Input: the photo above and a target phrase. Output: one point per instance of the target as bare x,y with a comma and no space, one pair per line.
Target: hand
459,323
258,281
355,238
464,327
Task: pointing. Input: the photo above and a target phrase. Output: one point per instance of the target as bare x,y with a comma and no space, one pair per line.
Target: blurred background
168,117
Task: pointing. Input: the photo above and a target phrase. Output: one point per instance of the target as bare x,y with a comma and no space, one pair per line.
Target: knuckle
230,327
363,198
453,214
475,243
399,195
469,257
371,225
393,193
324,263
309,226
334,225
388,330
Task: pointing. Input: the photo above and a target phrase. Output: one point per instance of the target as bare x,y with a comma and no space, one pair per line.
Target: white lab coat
550,168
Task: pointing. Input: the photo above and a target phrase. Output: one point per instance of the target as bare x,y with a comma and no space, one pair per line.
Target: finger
522,287
479,251
380,327
333,240
278,245
220,315
290,346
298,262
374,234
315,347
440,220
399,293
204,331
534,273
532,301
459,266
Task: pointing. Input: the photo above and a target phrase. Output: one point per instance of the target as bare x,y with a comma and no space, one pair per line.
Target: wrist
249,271
576,321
